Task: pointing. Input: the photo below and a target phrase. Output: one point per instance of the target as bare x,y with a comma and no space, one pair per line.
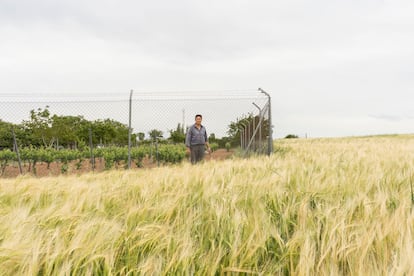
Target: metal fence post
260,126
241,133
129,130
270,139
244,135
91,149
16,147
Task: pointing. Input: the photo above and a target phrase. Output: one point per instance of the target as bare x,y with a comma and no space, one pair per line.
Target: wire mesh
165,111
162,111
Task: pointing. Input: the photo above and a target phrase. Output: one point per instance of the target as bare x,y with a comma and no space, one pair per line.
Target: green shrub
228,146
214,146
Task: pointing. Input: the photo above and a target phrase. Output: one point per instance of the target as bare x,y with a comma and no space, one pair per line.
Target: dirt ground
55,168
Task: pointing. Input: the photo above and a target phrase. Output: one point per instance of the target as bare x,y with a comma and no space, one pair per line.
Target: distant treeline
44,130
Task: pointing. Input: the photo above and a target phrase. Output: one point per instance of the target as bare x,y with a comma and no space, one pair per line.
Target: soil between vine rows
55,168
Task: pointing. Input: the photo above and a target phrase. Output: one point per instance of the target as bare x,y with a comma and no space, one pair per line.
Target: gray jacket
196,136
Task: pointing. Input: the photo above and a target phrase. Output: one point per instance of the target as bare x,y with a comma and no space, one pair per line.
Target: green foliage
40,127
64,168
214,146
155,134
138,154
68,129
212,138
6,137
110,132
112,156
177,135
47,155
246,122
6,156
291,136
228,146
43,129
31,156
171,153
78,164
141,136
66,155
81,145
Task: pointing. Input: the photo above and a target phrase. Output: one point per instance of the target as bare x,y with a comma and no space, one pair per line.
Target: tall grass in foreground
316,207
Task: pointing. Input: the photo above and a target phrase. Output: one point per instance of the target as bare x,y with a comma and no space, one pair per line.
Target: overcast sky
333,68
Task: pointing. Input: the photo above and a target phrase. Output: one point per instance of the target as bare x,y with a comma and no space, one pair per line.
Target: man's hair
198,115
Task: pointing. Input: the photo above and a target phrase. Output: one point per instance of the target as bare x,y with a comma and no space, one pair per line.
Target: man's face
198,120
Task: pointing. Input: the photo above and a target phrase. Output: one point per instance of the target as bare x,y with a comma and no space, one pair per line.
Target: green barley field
332,206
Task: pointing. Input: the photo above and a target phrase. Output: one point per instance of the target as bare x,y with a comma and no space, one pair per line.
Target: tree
45,130
155,133
110,132
39,125
6,137
247,122
177,135
212,138
141,136
67,129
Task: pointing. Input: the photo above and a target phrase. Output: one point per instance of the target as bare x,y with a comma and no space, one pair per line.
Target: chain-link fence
240,117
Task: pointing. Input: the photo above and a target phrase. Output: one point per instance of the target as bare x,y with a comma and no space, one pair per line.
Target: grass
338,206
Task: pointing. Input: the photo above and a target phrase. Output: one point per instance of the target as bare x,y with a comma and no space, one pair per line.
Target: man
196,140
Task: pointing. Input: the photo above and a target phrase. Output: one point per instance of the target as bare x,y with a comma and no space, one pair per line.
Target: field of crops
67,159
338,206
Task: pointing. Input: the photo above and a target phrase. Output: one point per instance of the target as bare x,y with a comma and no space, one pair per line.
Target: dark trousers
197,153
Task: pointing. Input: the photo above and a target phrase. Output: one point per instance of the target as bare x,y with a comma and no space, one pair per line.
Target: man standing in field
196,140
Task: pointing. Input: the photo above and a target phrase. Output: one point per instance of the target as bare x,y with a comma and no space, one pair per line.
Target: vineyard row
164,153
